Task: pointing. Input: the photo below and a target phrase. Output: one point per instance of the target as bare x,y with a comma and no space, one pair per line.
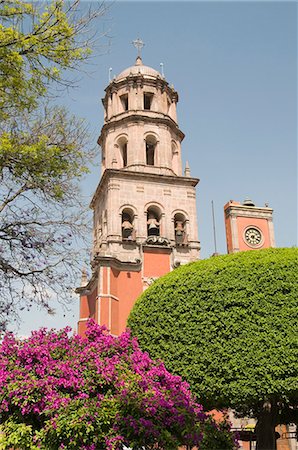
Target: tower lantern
144,208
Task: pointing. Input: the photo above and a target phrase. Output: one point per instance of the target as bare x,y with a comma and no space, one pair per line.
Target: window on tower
150,150
121,150
147,100
124,101
124,154
150,154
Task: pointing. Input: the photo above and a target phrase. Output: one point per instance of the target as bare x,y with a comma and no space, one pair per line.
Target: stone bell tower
144,208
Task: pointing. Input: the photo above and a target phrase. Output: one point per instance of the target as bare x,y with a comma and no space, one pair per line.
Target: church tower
144,208
248,227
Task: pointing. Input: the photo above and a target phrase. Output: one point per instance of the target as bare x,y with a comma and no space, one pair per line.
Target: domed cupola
137,69
140,131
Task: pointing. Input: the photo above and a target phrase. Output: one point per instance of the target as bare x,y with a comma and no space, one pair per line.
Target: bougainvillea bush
98,392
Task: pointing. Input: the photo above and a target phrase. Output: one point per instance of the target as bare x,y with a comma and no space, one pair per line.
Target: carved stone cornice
122,174
249,211
124,119
112,261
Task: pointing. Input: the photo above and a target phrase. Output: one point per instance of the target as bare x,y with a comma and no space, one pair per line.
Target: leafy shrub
228,326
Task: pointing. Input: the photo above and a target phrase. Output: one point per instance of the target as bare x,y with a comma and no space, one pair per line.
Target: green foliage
218,437
82,419
228,325
16,435
30,59
45,154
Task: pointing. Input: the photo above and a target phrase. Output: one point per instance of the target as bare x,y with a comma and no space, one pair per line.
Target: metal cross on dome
139,44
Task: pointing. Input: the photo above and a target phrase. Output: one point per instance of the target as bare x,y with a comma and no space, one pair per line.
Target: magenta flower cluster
96,392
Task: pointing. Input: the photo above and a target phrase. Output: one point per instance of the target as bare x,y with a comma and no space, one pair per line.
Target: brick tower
144,208
248,227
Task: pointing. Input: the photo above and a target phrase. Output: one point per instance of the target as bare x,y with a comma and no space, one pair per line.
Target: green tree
43,151
228,325
38,41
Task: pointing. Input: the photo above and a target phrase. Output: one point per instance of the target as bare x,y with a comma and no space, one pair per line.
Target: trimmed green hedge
228,325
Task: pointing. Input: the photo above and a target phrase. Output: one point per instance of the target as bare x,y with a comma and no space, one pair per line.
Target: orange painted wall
129,288
104,311
82,326
115,316
114,281
156,262
120,290
92,304
84,307
262,224
104,287
109,313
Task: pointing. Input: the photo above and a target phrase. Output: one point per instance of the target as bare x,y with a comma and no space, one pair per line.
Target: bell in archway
153,225
179,232
127,228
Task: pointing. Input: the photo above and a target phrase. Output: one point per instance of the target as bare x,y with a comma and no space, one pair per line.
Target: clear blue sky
234,65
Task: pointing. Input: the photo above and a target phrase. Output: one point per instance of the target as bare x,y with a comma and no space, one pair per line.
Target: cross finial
139,44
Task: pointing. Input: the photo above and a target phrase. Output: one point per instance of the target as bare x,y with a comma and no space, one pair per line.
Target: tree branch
10,199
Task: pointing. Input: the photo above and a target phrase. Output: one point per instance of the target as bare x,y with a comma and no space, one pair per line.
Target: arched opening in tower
153,221
180,229
124,154
124,102
150,150
127,225
148,97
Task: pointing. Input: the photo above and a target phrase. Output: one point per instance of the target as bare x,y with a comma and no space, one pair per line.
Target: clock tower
248,227
144,207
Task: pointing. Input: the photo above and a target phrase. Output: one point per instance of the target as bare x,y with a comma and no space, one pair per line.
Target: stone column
234,232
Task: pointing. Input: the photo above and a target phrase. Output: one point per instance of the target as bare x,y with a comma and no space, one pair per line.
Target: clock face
253,236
